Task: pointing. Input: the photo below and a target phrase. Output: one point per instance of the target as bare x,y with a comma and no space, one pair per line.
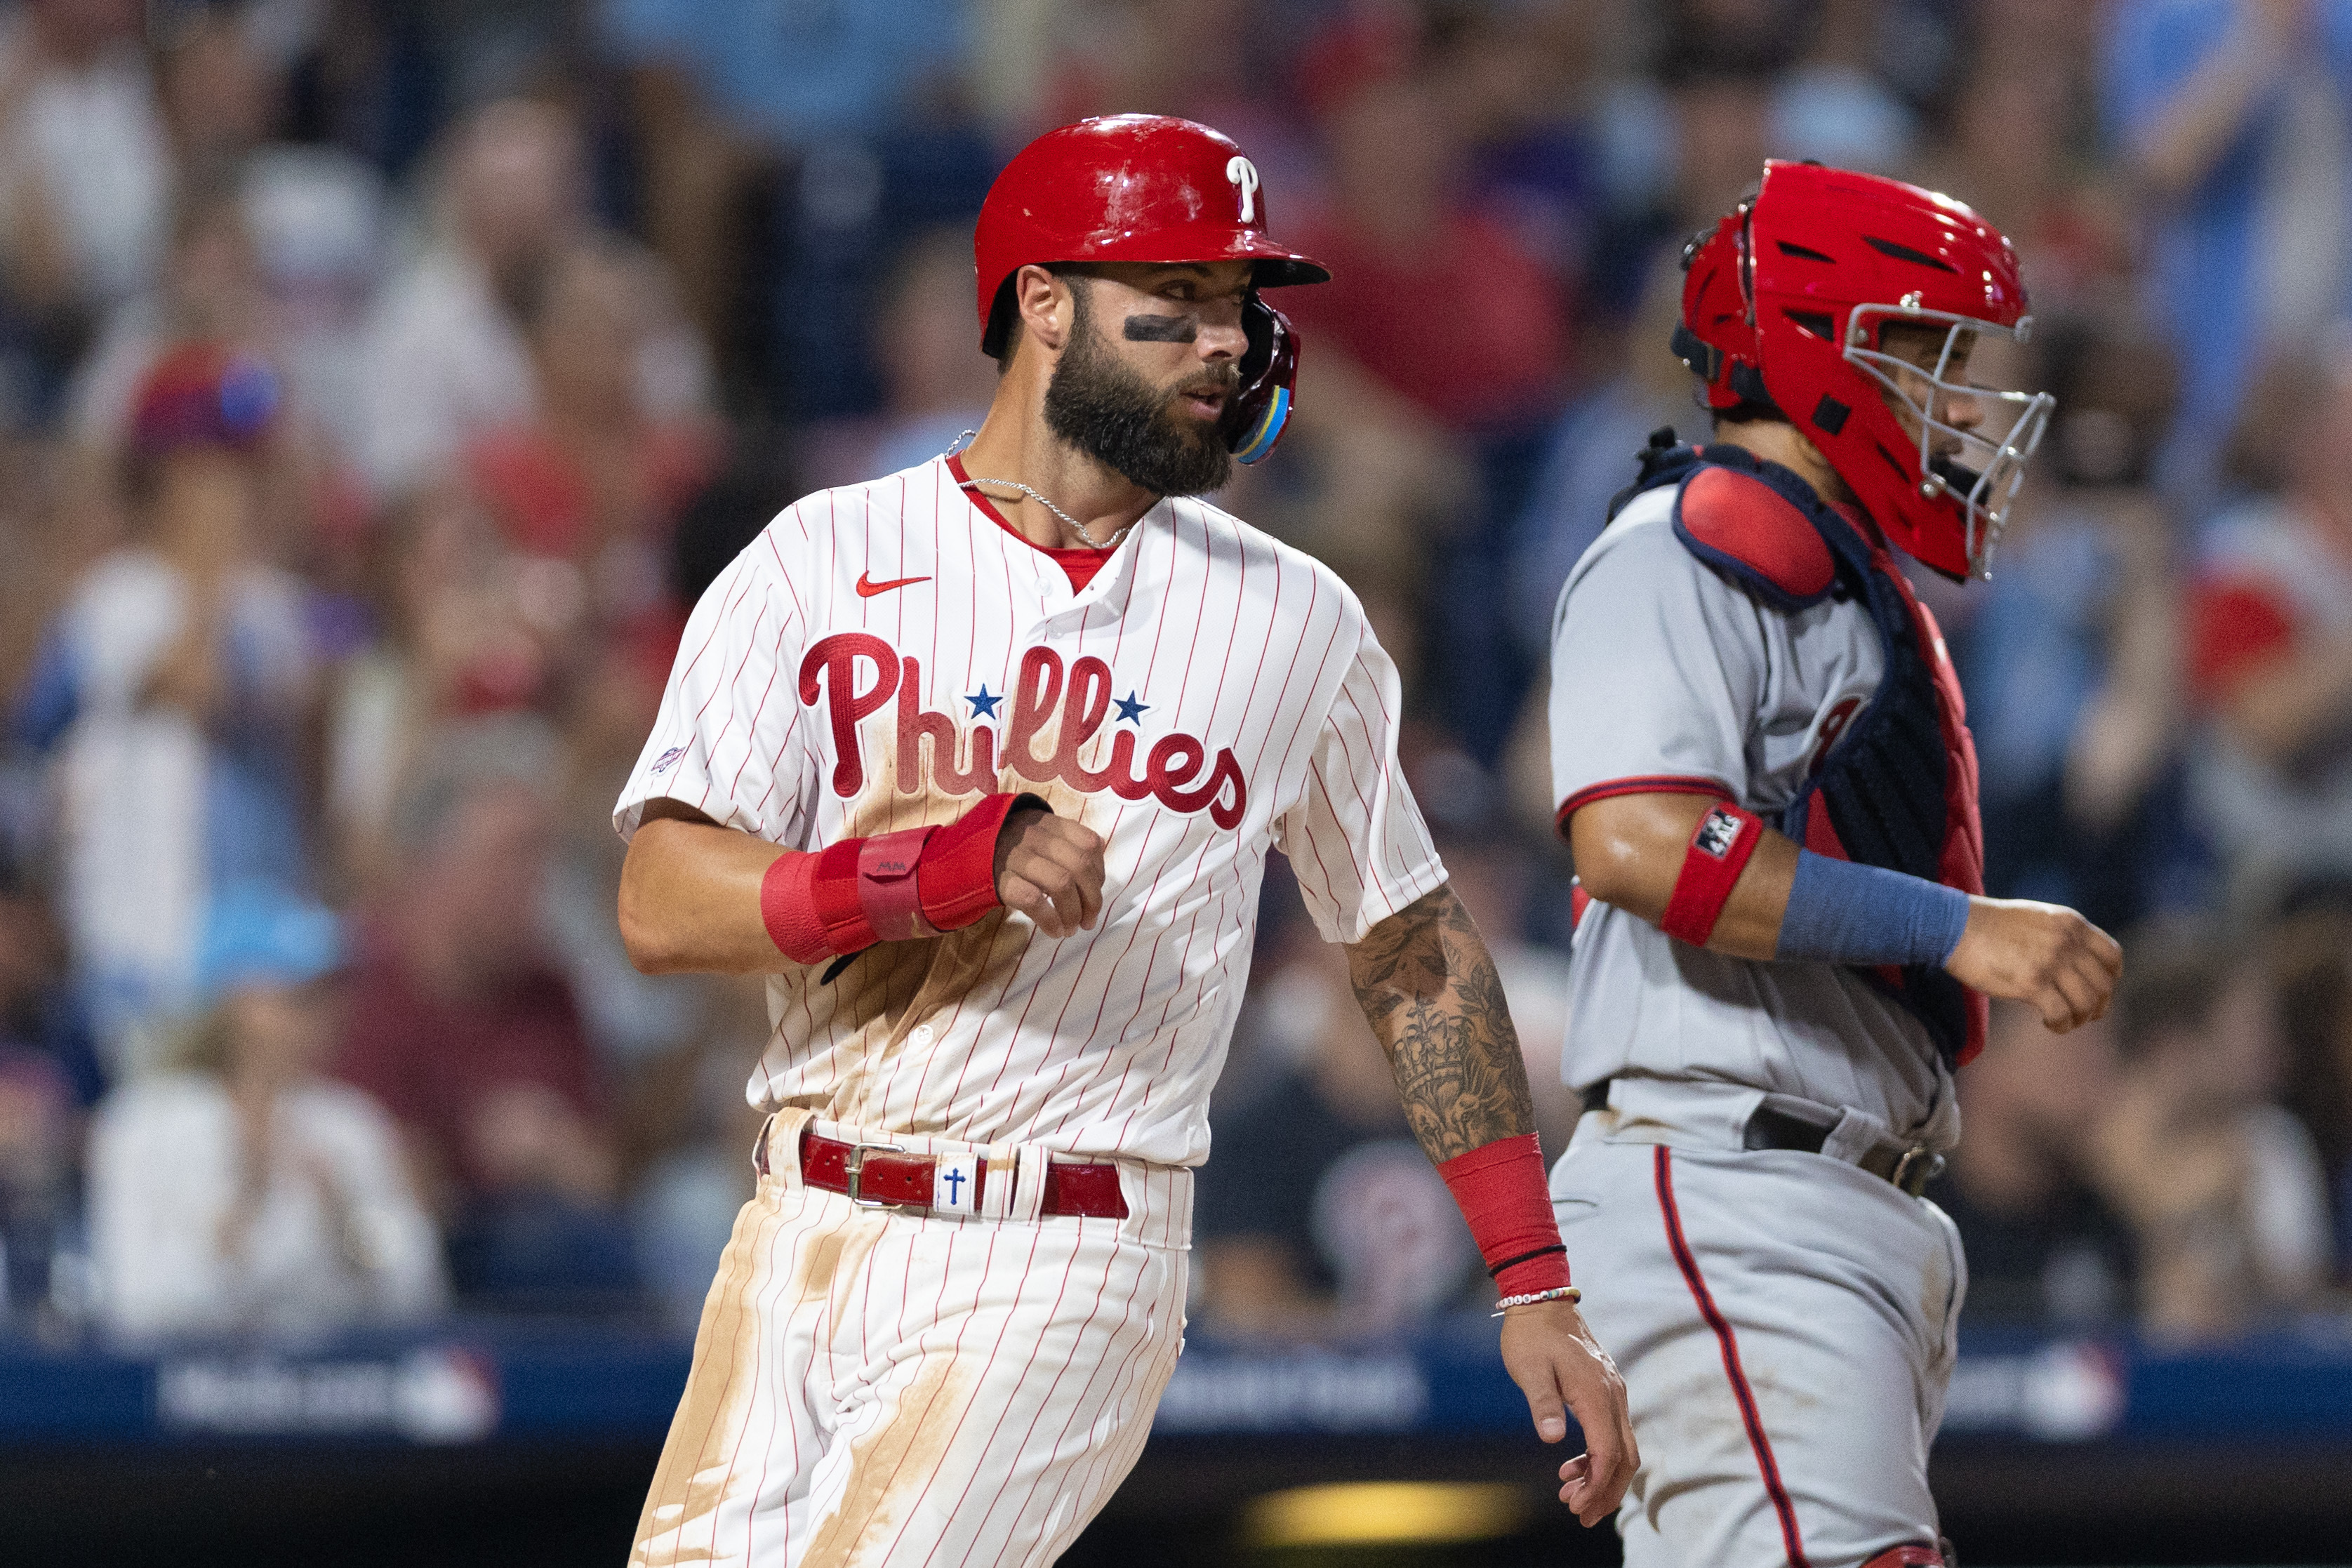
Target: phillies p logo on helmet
1244,173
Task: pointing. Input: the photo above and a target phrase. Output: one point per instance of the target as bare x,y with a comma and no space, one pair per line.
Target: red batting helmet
1150,188
1784,304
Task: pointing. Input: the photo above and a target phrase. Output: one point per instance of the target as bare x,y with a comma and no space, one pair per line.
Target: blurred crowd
380,380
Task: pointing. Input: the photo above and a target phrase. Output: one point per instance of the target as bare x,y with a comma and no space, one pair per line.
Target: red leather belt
879,1177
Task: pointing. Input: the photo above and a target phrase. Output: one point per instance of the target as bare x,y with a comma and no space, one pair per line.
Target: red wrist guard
892,886
1501,1191
1719,849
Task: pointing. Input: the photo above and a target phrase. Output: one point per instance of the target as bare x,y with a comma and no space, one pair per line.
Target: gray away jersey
1667,677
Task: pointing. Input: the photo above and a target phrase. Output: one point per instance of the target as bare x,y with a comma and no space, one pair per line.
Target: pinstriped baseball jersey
887,653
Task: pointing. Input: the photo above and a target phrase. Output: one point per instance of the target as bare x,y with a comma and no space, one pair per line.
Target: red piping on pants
1756,1440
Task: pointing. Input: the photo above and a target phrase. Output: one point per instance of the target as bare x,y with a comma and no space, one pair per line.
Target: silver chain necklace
1076,526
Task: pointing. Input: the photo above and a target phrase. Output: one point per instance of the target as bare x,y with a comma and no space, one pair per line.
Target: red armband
891,886
1719,849
1501,1191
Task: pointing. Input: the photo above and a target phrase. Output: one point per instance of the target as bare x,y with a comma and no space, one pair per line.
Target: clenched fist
1051,870
2050,958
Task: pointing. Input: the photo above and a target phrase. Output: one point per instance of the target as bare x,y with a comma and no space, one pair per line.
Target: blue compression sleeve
1846,913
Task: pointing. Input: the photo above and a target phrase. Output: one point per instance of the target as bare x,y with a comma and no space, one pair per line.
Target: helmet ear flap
999,331
1269,367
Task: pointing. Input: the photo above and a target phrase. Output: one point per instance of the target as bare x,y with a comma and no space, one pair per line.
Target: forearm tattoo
1429,991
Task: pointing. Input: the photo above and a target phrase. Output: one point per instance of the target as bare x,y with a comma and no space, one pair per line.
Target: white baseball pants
1785,1325
879,1386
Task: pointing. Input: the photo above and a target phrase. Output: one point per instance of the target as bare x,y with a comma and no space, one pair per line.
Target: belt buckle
1918,1166
857,1173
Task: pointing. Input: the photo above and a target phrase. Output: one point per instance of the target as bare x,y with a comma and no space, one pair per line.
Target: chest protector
1898,788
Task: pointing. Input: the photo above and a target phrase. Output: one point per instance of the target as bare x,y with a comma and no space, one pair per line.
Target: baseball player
980,764
1762,765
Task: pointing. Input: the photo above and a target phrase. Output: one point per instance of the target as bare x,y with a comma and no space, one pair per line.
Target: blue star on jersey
1131,710
984,705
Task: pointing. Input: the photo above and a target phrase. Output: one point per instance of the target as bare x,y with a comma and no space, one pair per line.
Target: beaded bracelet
1567,1293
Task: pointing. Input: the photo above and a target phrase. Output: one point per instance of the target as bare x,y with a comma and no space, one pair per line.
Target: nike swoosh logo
867,590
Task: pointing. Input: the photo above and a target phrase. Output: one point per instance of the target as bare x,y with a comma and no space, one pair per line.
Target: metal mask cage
1985,474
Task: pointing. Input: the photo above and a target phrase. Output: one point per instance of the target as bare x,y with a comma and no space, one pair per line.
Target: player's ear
1046,305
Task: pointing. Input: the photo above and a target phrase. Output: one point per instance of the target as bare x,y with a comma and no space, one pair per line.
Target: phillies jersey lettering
958,763
1209,695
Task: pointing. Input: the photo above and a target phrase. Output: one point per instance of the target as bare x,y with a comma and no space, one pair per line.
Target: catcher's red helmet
1785,302
1146,188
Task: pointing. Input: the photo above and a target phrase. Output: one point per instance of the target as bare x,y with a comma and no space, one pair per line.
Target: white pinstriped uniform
880,658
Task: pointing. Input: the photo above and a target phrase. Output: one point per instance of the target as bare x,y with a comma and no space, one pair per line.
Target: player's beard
1104,409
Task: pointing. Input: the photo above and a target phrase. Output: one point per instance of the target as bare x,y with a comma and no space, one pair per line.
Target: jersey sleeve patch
1750,533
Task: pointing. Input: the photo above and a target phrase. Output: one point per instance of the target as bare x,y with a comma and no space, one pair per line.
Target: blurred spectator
449,355
220,95
467,629
212,292
208,290
1317,1215
595,479
937,381
814,75
311,216
2221,1186
1678,148
1525,80
50,1079
1835,106
780,153
2271,635
634,1021
2231,116
1450,394
692,1128
448,360
85,172
2011,151
1240,66
1735,81
316,218
176,686
1589,457
1399,227
2314,957
2071,656
2043,1245
240,1191
461,1028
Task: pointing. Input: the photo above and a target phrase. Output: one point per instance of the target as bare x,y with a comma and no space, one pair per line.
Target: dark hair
1747,411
